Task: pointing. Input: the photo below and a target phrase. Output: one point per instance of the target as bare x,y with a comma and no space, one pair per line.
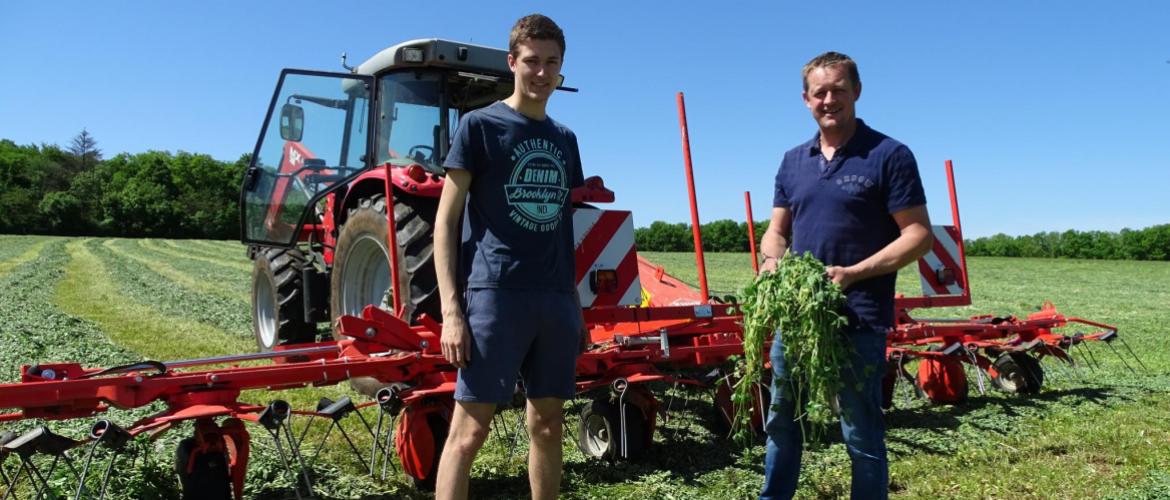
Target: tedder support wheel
942,379
278,316
203,473
419,444
725,409
361,264
1018,372
599,434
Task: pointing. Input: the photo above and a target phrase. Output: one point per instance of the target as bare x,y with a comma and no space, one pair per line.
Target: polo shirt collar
814,146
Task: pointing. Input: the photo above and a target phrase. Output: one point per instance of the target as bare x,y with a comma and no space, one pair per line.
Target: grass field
109,301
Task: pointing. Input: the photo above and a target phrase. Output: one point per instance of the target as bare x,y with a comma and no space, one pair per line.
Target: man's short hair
535,27
828,59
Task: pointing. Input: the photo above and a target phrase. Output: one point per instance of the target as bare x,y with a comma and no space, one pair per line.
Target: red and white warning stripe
943,254
605,240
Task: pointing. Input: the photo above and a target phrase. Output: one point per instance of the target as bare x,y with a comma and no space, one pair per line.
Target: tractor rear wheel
361,264
600,433
1019,373
278,316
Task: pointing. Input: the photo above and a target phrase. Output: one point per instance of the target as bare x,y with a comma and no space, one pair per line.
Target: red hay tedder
338,223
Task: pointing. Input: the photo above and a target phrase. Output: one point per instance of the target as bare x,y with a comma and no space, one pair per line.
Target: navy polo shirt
841,210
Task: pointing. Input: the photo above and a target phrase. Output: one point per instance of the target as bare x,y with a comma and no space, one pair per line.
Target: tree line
47,189
75,191
1151,243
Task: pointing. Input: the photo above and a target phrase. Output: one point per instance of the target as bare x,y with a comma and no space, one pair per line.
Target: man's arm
456,339
915,240
774,243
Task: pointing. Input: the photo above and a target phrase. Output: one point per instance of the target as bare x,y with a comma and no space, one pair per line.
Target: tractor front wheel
278,316
361,264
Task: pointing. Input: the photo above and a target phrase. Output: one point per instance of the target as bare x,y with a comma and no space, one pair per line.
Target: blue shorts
531,333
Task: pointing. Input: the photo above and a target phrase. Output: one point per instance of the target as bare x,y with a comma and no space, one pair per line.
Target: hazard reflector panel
605,254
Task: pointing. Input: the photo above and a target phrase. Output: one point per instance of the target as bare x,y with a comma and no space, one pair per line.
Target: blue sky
1055,113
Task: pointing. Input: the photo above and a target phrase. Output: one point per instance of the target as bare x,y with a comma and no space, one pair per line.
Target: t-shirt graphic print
538,187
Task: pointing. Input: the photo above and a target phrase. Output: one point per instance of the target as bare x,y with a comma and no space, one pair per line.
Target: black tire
278,310
440,426
1018,372
361,269
599,431
202,475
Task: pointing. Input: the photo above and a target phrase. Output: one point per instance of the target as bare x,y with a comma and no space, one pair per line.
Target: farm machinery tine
516,430
39,440
336,411
1090,358
970,352
104,434
277,422
389,406
1145,368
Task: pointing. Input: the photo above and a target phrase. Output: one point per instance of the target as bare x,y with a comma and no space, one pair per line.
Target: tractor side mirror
292,122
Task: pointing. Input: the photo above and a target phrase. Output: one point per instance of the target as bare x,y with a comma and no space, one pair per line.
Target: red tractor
334,150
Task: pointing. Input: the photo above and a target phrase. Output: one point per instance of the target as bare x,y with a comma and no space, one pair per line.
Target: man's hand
769,265
456,341
844,276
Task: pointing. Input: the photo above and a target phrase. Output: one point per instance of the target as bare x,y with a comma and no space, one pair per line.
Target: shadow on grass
938,429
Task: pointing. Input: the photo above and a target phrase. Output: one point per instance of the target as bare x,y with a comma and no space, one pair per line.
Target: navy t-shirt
841,210
518,224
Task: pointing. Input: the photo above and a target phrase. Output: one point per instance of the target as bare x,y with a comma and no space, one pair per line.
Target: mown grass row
34,329
143,285
228,283
17,250
180,250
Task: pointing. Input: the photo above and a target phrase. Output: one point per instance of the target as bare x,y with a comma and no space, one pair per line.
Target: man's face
831,96
537,68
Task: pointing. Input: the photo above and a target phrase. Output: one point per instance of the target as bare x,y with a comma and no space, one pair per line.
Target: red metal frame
751,227
686,143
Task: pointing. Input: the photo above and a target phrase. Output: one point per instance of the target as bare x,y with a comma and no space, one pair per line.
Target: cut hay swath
799,302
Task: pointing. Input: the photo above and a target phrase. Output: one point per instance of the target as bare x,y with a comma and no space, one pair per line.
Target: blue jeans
864,431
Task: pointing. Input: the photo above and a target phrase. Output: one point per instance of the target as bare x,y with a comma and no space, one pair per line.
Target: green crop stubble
801,303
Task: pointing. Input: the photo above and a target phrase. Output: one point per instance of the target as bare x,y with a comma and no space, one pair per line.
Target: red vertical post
747,201
958,226
392,241
686,145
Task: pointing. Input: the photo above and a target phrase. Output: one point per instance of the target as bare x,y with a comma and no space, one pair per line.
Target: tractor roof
434,52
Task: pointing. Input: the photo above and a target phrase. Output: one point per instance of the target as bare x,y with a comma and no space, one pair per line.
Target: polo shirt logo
854,184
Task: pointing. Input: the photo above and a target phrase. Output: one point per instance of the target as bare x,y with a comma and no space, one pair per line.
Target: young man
517,309
852,197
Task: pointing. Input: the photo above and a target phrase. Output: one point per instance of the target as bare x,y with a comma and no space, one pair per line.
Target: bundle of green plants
801,304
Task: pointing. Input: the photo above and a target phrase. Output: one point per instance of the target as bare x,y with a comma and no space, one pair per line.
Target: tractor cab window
409,120
314,138
420,110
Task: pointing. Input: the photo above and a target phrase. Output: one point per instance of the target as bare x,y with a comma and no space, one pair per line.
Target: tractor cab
333,150
317,136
